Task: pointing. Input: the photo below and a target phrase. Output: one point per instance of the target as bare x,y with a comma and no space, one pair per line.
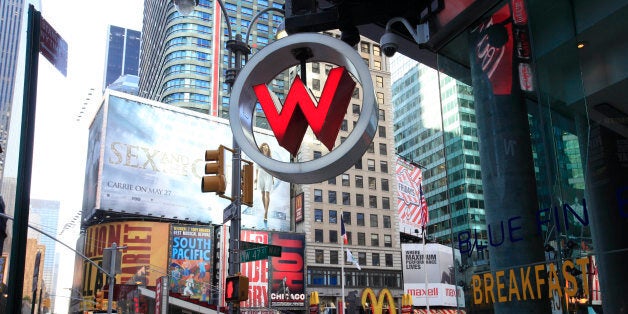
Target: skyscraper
442,138
183,57
10,23
123,54
45,215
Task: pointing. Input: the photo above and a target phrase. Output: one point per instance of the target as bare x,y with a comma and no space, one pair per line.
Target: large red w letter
289,123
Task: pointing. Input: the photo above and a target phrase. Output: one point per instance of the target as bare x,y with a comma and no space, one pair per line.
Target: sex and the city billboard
148,158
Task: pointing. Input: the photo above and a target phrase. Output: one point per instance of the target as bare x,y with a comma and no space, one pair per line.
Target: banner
191,261
287,284
409,203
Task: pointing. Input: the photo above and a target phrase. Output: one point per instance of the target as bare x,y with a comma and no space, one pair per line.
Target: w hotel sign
290,120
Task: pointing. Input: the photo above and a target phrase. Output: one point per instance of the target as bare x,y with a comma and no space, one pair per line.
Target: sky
60,140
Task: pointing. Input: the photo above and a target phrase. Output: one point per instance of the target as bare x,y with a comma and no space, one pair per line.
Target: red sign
53,47
289,124
298,208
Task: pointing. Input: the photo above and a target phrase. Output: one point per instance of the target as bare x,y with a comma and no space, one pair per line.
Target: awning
440,311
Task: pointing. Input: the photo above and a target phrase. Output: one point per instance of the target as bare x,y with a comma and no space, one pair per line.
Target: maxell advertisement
151,161
409,205
434,263
144,255
190,260
277,282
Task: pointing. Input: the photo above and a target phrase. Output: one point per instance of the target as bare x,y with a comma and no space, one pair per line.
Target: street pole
112,276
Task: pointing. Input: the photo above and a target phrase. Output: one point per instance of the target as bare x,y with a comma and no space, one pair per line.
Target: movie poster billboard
277,282
190,261
409,179
436,264
148,158
143,260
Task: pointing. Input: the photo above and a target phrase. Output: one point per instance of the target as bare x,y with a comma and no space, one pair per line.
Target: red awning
440,311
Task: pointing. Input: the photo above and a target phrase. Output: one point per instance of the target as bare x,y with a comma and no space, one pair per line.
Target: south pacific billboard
277,282
190,260
143,258
435,264
148,158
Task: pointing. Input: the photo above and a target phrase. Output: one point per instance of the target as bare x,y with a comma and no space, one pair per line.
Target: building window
372,201
383,166
385,185
316,68
359,200
316,84
332,216
327,68
362,258
379,81
358,164
345,180
349,241
318,215
359,219
320,256
387,223
318,195
344,126
372,183
382,149
370,163
361,238
382,131
389,260
346,198
374,221
374,239
376,50
371,148
346,217
332,181
377,65
382,115
387,240
331,195
364,47
375,257
356,93
317,154
385,202
380,98
318,235
355,108
333,257
359,182
333,236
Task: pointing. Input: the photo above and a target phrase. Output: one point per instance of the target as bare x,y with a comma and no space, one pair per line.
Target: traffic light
100,295
237,288
247,183
216,181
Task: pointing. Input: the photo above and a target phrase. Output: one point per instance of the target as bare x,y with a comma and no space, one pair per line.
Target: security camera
390,43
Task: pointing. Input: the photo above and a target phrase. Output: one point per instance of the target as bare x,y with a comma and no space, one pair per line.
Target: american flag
343,232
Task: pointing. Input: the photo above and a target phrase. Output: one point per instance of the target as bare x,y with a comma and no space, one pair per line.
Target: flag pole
342,272
427,299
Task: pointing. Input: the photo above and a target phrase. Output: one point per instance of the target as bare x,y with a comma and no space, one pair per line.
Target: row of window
346,199
354,278
334,258
346,217
333,238
359,180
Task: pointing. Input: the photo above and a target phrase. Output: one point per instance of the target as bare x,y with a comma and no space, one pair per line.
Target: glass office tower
123,54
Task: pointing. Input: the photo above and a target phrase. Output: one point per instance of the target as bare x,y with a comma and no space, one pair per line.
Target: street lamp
238,49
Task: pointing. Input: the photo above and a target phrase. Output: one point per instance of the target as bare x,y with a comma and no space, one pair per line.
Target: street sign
255,254
53,47
228,213
273,250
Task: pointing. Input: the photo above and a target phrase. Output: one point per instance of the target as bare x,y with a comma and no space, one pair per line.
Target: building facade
123,54
363,196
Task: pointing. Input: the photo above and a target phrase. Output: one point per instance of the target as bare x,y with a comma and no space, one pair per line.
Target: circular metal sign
265,66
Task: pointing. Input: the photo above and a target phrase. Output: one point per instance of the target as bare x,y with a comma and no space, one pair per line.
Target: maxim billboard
147,158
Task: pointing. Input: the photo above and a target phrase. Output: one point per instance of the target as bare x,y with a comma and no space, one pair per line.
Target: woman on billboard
264,181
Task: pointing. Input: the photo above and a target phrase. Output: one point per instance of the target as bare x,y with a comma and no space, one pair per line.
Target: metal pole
15,283
427,299
112,276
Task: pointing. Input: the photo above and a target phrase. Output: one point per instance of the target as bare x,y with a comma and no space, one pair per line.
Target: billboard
277,282
144,258
411,208
434,263
148,158
190,260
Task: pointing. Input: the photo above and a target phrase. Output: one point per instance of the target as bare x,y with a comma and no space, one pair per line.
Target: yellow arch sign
377,303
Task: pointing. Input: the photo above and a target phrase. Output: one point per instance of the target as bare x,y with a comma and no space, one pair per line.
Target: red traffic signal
237,288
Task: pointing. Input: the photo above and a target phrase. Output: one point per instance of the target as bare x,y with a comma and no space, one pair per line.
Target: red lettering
114,235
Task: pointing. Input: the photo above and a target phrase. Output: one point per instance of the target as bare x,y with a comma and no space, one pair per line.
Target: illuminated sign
249,89
377,304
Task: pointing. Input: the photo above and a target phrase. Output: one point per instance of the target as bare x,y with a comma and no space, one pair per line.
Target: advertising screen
411,207
190,260
151,161
435,264
142,260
